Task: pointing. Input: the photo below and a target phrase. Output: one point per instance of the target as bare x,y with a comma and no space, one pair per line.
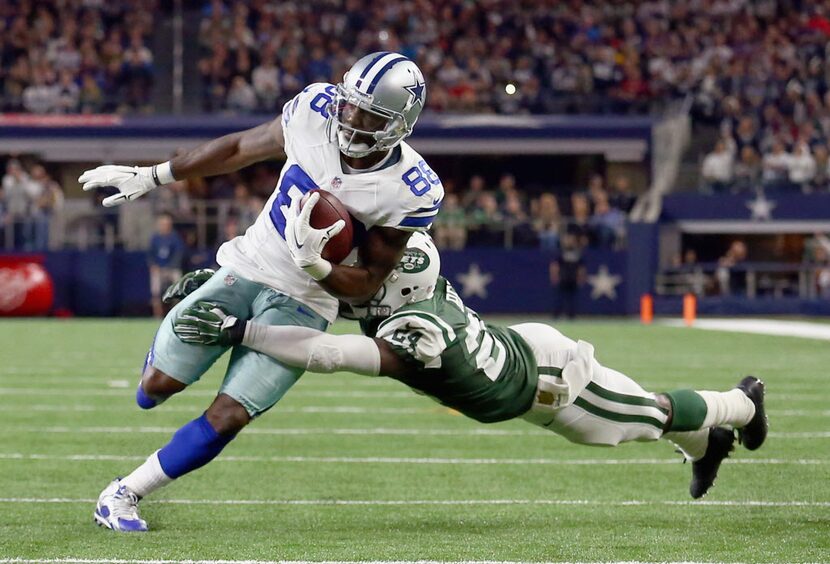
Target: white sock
692,443
148,477
731,408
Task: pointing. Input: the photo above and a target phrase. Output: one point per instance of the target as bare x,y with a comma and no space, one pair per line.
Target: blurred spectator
596,186
174,200
18,196
450,225
39,97
266,82
486,222
747,170
732,280
517,221
241,96
580,222
620,195
567,274
47,200
507,188
548,223
90,97
717,168
607,223
821,179
775,167
165,258
475,189
802,166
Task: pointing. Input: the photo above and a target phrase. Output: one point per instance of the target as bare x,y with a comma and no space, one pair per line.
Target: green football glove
206,323
186,285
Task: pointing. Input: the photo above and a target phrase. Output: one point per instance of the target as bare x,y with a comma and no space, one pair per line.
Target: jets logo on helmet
414,261
412,281
377,104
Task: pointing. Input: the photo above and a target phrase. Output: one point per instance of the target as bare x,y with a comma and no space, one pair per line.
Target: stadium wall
100,283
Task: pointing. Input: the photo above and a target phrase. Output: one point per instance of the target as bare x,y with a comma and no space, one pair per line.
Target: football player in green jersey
420,332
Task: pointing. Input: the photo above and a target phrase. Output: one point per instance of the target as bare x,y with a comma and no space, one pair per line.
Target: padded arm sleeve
314,350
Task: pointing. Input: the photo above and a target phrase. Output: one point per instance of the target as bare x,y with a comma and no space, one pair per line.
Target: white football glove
131,181
306,243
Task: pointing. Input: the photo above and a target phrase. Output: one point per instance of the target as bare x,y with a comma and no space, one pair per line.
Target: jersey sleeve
424,197
307,112
417,337
420,219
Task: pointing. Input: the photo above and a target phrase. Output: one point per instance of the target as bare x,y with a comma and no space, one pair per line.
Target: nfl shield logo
336,183
230,280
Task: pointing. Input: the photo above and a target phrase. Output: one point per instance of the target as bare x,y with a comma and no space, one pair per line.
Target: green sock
688,410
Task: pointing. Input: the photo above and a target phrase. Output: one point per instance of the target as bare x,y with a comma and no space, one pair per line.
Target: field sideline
349,469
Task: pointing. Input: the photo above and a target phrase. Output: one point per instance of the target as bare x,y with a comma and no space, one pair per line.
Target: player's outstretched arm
225,154
206,323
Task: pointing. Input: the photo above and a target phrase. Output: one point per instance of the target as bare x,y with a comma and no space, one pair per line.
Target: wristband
162,174
319,269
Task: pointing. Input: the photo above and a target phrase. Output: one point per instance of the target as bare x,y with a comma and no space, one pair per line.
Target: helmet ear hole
406,291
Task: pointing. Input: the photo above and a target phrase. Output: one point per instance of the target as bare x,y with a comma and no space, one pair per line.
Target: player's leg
253,383
171,365
613,409
191,447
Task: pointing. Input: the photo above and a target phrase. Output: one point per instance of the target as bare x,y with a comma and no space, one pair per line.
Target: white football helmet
377,104
413,280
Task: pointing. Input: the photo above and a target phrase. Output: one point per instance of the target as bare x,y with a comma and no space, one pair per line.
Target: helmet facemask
377,129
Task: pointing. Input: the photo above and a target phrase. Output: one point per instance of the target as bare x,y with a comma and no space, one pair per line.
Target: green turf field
358,469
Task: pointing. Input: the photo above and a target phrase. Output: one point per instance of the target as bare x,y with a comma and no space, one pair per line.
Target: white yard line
131,561
777,327
97,392
374,431
423,460
440,502
338,409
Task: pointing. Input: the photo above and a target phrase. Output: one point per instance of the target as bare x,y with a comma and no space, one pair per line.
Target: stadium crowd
530,57
75,56
767,89
29,198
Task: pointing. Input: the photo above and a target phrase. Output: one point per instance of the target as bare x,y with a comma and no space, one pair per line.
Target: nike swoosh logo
436,201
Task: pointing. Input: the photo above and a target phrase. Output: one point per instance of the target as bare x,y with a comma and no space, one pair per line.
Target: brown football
327,211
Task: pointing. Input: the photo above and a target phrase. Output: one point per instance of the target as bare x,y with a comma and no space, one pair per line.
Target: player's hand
132,182
305,243
186,285
206,323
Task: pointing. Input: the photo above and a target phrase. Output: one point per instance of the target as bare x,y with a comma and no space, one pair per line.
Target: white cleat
117,509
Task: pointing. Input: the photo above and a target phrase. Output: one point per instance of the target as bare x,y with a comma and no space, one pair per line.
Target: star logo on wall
761,208
604,284
474,282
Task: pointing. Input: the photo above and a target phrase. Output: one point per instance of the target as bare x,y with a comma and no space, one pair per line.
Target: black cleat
705,470
753,434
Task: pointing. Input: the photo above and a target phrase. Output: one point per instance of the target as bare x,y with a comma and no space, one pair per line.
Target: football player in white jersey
425,337
347,139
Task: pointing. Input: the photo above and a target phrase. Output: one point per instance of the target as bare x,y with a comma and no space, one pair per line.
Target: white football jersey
404,194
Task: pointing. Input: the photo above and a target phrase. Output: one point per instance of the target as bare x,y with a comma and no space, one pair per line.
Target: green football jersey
485,372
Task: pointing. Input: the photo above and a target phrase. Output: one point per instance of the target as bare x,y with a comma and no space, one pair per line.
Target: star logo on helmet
417,92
